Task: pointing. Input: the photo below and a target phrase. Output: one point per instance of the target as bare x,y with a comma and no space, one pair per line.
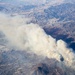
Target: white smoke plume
31,37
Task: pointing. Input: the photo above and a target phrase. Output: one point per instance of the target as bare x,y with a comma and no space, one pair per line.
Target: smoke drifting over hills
32,38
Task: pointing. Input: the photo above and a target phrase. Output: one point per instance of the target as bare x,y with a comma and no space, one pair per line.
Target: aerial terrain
37,37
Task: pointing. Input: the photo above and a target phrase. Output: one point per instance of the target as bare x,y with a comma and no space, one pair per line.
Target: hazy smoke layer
31,37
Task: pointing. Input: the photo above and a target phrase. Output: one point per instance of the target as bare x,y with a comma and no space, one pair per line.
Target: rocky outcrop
45,69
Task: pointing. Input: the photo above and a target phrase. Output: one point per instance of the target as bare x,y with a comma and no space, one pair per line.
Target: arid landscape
37,37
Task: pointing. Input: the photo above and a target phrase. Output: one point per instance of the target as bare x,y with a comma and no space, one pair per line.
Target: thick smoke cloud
32,38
